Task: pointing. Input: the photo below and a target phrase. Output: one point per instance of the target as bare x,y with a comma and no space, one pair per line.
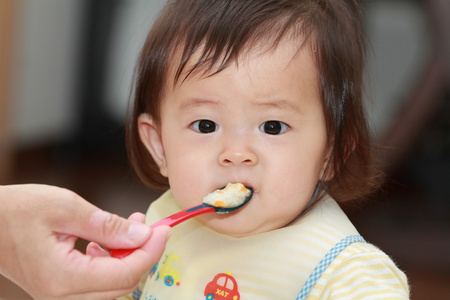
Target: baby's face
260,123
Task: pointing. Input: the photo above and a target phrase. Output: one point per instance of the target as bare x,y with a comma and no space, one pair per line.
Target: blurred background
65,73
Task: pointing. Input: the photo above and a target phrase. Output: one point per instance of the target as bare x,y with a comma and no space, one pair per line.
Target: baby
267,93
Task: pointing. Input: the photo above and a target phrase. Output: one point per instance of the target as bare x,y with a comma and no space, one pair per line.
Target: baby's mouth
246,184
231,198
249,186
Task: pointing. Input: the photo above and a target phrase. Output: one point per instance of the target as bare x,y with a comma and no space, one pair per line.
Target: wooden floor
399,221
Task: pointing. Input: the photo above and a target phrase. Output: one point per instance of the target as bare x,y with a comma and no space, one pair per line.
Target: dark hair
223,30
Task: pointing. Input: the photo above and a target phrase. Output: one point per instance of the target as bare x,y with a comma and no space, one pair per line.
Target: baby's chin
234,225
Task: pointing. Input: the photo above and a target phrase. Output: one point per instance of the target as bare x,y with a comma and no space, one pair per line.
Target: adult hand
38,228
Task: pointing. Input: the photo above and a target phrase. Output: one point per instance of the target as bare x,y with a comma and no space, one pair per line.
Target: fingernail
168,232
138,231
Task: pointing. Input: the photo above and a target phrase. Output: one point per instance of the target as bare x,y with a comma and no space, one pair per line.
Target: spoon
184,215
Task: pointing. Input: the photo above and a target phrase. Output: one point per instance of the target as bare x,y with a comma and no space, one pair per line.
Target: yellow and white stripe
361,271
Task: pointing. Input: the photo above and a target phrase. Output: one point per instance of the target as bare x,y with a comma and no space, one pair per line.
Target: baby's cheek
186,195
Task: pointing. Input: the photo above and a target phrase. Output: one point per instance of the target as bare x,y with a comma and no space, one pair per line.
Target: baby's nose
236,156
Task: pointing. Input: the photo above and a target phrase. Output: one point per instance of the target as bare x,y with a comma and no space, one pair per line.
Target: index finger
106,273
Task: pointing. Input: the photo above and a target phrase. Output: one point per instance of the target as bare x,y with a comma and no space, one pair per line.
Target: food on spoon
233,195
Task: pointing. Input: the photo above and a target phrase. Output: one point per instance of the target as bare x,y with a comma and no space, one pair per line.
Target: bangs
213,42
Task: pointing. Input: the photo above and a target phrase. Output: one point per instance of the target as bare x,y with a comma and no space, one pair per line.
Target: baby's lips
243,182
248,185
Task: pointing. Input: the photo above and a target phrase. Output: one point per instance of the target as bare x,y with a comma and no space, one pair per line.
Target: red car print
222,287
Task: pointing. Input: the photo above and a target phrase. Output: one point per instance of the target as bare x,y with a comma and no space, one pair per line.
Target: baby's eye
204,126
274,127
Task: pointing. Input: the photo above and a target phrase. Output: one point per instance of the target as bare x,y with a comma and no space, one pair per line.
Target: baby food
233,195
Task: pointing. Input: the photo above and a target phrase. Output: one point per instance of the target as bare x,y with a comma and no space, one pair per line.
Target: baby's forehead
205,61
282,75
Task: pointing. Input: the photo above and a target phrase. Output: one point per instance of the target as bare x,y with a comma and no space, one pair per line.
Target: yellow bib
199,263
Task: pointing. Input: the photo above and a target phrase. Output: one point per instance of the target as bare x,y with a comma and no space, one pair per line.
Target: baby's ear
150,136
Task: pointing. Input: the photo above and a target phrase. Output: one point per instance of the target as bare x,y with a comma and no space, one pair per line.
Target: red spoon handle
171,221
184,215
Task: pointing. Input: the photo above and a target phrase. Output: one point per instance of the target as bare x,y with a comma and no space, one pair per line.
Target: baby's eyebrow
196,102
278,104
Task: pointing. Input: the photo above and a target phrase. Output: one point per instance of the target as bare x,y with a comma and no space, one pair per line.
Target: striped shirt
361,271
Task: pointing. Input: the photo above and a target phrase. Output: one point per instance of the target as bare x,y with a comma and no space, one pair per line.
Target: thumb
77,217
113,231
